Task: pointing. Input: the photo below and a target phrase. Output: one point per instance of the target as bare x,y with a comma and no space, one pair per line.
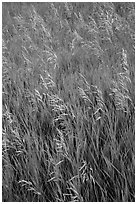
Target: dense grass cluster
68,102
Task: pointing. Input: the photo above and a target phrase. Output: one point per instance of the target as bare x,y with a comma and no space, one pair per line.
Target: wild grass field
68,116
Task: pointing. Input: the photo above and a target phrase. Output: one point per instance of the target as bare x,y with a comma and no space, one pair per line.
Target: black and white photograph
68,101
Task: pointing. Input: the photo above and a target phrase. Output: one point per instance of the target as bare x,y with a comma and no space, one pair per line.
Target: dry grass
68,102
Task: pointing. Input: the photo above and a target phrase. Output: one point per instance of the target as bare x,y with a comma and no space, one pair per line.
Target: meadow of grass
68,83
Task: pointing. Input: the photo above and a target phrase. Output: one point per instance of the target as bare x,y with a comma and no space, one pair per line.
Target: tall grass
68,102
